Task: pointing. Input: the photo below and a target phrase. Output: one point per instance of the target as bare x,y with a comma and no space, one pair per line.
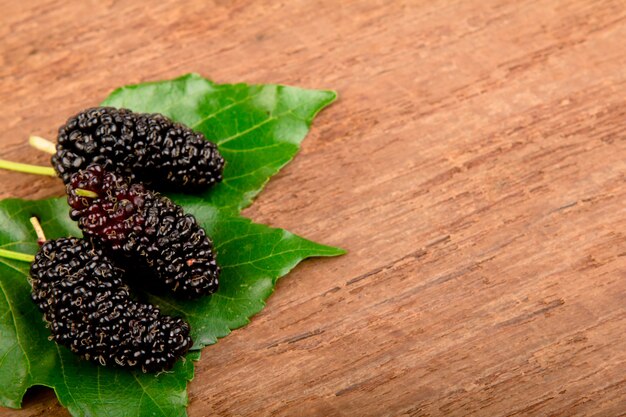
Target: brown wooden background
474,167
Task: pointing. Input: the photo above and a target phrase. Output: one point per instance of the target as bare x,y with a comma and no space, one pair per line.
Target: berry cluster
89,310
136,223
105,156
143,147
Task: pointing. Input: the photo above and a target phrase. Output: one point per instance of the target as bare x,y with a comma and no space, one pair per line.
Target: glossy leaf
258,130
252,257
28,358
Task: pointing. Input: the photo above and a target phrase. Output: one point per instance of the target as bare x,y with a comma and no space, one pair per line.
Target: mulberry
139,224
148,148
89,310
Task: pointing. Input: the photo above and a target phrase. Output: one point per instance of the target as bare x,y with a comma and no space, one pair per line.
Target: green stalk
42,144
18,256
27,168
41,236
86,193
9,254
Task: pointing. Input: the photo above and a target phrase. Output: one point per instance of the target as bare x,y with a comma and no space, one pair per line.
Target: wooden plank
474,167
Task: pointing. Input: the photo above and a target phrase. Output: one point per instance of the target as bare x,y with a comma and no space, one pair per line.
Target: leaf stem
42,144
27,168
18,256
41,236
86,193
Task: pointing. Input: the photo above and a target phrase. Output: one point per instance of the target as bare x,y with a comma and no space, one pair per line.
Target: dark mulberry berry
148,148
145,227
89,310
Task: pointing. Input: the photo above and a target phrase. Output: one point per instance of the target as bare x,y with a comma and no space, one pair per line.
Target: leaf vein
149,396
223,109
17,331
69,391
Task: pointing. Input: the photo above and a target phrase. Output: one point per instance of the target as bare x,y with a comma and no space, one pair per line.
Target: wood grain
474,167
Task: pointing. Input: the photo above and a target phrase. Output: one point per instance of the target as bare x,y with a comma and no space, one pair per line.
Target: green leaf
258,130
28,358
252,257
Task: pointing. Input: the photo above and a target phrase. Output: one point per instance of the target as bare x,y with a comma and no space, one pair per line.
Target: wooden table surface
474,167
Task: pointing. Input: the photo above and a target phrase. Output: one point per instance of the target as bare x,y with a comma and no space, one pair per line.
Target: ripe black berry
148,148
145,228
89,310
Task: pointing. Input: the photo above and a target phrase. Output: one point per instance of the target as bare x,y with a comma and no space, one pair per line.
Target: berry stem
41,236
27,168
18,256
86,193
42,144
